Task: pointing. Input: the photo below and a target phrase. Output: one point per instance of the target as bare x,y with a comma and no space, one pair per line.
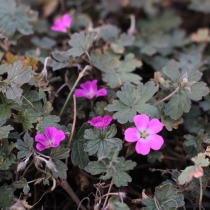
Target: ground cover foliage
86,73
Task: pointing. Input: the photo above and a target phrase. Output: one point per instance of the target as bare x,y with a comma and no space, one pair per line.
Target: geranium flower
100,122
145,134
51,138
89,90
62,24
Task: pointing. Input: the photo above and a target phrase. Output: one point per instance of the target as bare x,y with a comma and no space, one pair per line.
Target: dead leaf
30,61
21,203
11,58
202,35
84,182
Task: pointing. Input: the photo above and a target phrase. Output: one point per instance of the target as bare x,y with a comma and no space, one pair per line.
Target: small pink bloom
89,90
100,122
51,138
62,24
145,134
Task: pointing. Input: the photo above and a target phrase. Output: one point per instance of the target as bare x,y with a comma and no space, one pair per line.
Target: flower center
143,134
91,94
50,143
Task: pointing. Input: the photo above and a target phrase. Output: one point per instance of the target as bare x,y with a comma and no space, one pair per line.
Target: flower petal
142,147
155,141
81,93
40,138
89,86
58,28
107,119
95,120
50,132
59,136
141,121
66,20
155,126
131,135
40,147
101,92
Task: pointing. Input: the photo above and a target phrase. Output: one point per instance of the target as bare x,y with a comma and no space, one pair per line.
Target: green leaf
196,141
201,160
44,42
50,120
99,110
102,142
61,169
205,105
25,146
164,22
78,156
14,92
15,17
115,204
117,77
189,172
167,196
104,62
17,74
200,6
132,101
178,104
155,155
109,33
6,174
5,130
121,178
59,153
7,196
80,43
5,113
149,44
190,90
23,118
6,157
61,60
22,183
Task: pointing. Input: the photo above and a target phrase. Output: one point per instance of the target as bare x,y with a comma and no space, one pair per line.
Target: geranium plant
104,105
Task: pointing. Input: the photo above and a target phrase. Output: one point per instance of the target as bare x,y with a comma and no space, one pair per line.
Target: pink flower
62,24
100,122
51,138
89,90
145,134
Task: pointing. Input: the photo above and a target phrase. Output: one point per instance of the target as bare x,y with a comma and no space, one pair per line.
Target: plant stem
64,184
75,84
167,97
107,195
28,168
73,126
201,194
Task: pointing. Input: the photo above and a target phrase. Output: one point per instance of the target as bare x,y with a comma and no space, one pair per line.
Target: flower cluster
62,24
145,134
51,138
89,90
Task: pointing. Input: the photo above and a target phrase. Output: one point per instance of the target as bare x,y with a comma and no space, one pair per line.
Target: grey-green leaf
25,146
80,43
102,142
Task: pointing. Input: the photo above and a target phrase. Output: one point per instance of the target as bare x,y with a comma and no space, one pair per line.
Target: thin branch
167,97
73,126
75,84
64,184
201,193
110,187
